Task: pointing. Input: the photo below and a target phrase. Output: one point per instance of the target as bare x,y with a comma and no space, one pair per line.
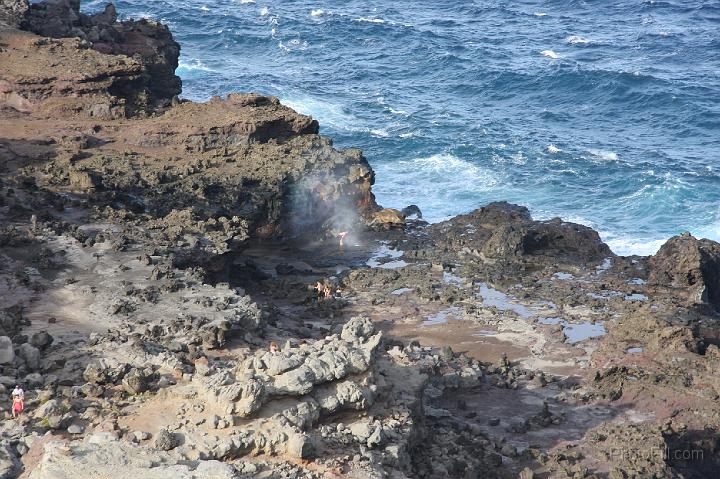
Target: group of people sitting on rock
326,290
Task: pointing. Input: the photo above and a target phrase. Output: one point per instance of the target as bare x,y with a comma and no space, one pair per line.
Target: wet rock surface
210,290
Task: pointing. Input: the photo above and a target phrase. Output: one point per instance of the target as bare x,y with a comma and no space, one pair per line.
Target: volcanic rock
687,263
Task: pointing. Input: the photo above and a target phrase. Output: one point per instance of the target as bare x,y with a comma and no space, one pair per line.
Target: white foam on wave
552,149
194,64
451,168
576,40
603,154
434,182
264,11
370,20
316,13
634,246
540,14
549,54
247,1
328,114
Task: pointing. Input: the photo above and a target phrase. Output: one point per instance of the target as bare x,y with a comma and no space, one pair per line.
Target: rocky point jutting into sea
178,297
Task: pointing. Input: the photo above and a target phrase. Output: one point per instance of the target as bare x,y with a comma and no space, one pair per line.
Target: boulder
31,355
135,381
387,217
41,339
300,446
687,263
7,353
166,440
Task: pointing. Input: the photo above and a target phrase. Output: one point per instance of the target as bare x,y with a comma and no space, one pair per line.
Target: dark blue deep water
602,112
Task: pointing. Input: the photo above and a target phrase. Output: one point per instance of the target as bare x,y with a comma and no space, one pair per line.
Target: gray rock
31,355
7,353
75,429
135,382
300,446
140,436
508,450
34,380
357,328
41,339
166,440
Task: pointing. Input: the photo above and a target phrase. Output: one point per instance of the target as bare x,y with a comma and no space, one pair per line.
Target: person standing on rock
18,399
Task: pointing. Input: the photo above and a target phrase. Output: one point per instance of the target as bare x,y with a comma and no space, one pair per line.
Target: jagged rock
687,263
103,456
10,465
299,445
387,217
135,381
47,409
7,352
166,440
31,355
357,328
12,12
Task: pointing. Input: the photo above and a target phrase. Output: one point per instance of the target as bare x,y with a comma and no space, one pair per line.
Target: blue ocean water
603,112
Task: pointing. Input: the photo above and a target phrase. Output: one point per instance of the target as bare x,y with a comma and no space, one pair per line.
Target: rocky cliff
210,290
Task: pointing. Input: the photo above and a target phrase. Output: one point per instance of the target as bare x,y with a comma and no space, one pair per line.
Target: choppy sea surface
602,112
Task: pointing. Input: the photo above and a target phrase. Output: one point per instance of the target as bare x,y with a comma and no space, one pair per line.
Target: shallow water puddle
582,331
604,266
563,276
500,300
635,350
386,252
441,317
576,332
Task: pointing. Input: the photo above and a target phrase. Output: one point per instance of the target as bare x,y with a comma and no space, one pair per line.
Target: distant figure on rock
18,401
274,349
319,289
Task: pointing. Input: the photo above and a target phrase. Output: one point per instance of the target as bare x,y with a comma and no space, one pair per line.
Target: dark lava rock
684,262
41,339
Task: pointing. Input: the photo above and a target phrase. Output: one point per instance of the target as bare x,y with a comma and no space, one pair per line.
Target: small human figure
274,349
327,291
18,401
319,289
342,236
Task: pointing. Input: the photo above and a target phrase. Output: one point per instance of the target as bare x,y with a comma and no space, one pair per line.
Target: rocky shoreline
211,291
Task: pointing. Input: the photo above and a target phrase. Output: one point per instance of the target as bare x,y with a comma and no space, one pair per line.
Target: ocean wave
552,149
246,1
316,13
328,114
549,54
194,64
633,246
603,154
576,40
540,14
448,168
264,11
370,20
